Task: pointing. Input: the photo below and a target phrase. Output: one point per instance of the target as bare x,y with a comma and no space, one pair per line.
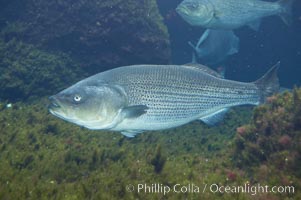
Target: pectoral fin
203,38
134,111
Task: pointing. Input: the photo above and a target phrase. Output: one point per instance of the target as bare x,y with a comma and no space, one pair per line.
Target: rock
99,34
27,72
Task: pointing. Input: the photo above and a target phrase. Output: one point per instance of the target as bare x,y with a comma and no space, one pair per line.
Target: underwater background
46,46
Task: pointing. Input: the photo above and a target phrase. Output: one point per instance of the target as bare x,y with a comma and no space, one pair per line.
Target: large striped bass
136,98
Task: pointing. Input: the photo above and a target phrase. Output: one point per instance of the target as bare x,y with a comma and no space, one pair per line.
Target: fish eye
77,98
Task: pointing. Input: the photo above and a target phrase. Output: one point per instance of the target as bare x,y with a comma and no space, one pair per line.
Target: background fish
214,46
231,14
136,98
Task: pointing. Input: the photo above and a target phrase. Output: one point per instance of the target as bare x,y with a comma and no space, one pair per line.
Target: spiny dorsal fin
205,69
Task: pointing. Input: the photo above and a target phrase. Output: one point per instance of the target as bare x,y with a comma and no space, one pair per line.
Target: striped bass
232,14
137,98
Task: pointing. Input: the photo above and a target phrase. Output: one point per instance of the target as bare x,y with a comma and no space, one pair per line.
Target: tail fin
268,83
286,7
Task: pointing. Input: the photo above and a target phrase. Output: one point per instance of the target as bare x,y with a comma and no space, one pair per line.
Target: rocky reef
271,143
99,34
48,45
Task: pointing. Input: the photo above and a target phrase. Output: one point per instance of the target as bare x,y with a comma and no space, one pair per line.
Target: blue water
274,42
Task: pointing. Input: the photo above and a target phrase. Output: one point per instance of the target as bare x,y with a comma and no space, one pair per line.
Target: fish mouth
183,10
54,103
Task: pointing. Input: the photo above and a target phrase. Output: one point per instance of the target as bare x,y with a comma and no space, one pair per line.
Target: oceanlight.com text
157,188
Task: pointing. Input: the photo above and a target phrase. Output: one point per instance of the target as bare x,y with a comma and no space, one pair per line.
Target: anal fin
215,117
131,133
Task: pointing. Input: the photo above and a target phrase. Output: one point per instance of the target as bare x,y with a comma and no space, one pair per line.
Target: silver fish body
156,97
232,14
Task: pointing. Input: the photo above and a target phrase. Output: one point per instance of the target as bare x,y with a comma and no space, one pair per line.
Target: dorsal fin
204,68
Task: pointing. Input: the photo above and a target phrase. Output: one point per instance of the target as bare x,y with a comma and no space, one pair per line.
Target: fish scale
178,93
231,9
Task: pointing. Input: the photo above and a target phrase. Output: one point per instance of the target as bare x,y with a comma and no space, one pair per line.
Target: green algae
27,72
43,157
270,144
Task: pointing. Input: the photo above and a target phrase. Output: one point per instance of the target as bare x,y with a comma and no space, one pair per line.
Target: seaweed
158,161
43,157
26,72
272,140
